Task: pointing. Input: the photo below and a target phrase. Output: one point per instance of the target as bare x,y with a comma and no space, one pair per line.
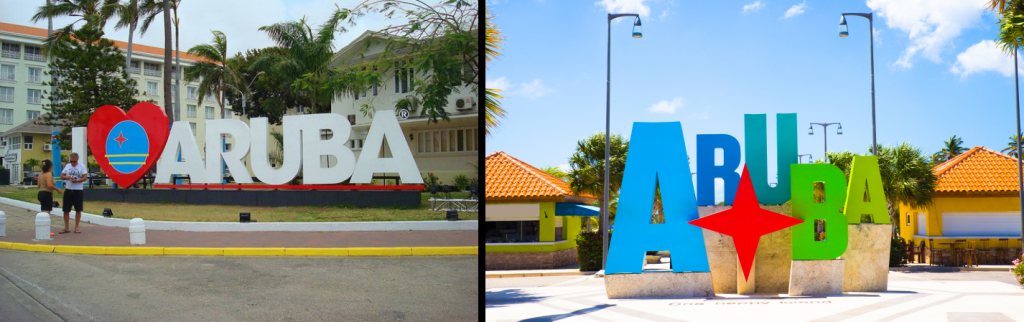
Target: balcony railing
35,57
133,70
150,72
10,54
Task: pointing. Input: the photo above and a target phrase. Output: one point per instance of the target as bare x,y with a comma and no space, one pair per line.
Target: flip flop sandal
64,232
78,232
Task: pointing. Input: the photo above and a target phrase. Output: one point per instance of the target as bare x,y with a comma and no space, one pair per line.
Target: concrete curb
240,251
533,273
267,226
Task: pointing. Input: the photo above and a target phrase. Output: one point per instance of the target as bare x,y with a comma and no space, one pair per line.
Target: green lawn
184,212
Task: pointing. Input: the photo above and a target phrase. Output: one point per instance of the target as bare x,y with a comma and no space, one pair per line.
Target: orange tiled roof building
532,217
975,201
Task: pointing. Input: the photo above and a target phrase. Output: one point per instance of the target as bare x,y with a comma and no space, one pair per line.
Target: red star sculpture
746,222
120,139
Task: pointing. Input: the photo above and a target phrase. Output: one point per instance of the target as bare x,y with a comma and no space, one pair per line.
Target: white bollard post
137,231
42,226
3,223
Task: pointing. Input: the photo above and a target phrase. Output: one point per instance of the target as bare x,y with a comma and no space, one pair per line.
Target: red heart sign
126,146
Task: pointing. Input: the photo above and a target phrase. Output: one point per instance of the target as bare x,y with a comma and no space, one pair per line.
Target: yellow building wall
38,140
943,204
547,222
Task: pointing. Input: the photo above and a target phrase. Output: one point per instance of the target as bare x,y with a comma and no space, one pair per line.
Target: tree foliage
214,74
950,149
492,104
1011,146
586,167
907,176
91,74
439,42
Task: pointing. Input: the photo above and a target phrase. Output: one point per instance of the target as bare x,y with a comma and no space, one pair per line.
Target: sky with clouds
238,19
938,72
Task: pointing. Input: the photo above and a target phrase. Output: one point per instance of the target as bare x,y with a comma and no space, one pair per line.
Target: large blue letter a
657,157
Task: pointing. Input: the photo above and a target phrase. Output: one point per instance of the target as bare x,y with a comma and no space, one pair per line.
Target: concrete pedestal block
746,286
659,285
816,277
866,261
774,258
721,255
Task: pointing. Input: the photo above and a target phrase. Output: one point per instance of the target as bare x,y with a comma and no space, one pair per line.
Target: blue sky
706,63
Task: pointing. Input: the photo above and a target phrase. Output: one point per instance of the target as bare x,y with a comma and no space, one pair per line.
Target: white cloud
795,10
626,6
985,56
753,6
667,106
930,24
501,84
533,89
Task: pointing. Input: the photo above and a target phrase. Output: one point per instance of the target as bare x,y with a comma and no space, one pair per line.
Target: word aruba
127,145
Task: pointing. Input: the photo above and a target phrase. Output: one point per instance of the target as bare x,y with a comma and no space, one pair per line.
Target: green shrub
897,252
461,182
431,181
588,250
1018,269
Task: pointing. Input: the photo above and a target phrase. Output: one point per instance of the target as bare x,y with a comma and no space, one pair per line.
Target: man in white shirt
74,174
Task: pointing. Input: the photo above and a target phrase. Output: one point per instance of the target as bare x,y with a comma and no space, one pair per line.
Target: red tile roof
508,179
40,32
980,169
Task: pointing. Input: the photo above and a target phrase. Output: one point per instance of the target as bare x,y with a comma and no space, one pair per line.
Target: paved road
919,296
21,229
54,287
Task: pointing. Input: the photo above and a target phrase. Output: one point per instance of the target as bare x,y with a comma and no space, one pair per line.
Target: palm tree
492,106
150,9
93,12
907,176
303,59
214,74
586,167
1011,147
128,17
950,149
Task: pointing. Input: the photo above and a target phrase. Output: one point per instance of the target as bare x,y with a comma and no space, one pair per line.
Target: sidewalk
535,273
21,229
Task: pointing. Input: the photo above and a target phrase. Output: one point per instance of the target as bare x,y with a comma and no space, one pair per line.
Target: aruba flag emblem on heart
127,145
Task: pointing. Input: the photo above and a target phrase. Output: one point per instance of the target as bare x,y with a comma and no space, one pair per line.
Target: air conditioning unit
47,147
465,103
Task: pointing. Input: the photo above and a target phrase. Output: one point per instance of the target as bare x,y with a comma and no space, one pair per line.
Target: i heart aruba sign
127,145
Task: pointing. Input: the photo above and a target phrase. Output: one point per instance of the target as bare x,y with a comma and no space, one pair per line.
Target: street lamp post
801,158
1020,171
843,33
824,127
607,128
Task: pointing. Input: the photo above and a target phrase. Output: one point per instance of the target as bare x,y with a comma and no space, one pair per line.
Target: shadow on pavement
570,314
494,299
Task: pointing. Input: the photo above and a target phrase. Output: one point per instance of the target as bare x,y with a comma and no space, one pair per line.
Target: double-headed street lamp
824,126
801,158
607,128
843,33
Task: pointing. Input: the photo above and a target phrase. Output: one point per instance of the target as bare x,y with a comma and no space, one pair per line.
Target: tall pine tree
88,72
